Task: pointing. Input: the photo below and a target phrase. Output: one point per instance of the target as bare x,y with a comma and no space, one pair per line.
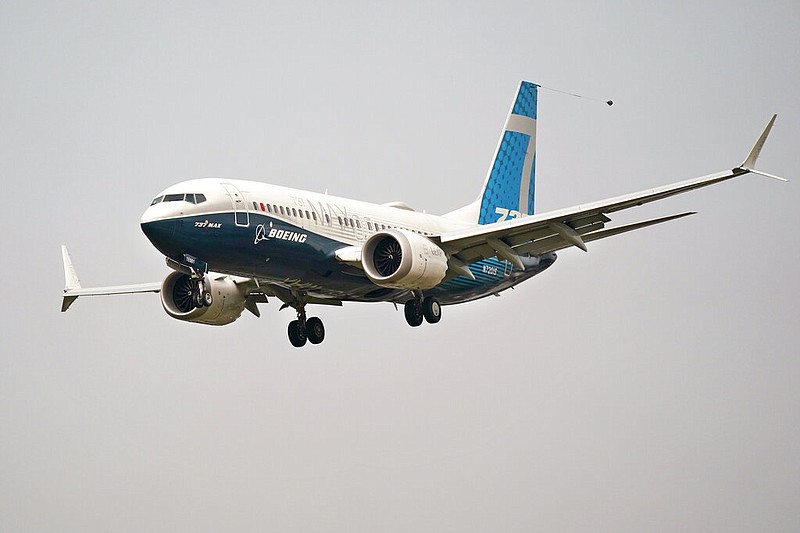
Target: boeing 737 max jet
233,244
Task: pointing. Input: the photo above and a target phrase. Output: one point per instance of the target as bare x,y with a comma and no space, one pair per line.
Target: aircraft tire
413,314
296,334
207,298
197,299
315,330
431,310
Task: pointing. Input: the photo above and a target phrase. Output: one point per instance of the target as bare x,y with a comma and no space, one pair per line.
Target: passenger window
282,213
327,218
199,198
308,215
294,212
301,213
340,220
358,224
315,216
369,225
269,208
255,206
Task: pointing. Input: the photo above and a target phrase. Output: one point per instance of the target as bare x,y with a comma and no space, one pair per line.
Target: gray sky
652,384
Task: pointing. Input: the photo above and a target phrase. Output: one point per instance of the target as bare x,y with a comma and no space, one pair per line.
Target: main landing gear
303,329
428,308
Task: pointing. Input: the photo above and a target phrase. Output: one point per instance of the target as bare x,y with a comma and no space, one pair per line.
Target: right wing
254,290
73,287
575,226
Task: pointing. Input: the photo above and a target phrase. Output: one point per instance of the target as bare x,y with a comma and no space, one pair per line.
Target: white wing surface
575,226
73,287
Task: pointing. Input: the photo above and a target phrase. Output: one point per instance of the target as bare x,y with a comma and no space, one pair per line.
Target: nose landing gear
201,293
193,293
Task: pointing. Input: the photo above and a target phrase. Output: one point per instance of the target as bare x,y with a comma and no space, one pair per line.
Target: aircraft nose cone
159,232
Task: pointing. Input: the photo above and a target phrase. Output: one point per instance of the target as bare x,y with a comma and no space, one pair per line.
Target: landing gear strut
201,295
302,329
195,288
428,308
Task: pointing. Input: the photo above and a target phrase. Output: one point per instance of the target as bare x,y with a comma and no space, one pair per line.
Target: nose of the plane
160,231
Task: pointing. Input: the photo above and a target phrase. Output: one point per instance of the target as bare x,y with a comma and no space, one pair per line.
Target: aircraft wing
575,226
256,291
73,287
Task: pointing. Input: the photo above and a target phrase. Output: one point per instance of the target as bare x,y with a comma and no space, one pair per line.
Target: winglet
71,280
70,277
750,163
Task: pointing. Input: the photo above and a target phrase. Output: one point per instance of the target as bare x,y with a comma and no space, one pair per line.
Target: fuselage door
240,212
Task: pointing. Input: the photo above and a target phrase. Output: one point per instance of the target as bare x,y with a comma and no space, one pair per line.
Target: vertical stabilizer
508,191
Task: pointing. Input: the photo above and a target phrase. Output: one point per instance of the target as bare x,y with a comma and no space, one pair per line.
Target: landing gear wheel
413,313
207,298
431,310
315,330
297,334
197,299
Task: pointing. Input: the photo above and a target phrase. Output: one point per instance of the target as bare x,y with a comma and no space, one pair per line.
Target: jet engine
227,304
403,260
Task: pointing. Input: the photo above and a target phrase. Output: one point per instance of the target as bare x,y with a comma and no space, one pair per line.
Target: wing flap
553,244
574,226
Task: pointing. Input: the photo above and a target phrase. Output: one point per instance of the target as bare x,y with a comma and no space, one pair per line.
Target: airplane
232,244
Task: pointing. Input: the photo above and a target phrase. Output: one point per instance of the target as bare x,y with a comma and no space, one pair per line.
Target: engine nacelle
227,305
403,260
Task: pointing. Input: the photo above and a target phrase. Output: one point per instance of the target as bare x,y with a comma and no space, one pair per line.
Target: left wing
575,226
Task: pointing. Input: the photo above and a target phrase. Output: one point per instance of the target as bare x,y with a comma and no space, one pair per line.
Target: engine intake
227,304
403,260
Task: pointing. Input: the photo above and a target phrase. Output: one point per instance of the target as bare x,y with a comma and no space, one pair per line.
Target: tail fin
508,191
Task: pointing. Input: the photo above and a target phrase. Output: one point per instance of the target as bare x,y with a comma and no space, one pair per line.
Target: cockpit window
191,198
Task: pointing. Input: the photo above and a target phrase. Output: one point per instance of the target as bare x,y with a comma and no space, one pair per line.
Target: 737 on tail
233,244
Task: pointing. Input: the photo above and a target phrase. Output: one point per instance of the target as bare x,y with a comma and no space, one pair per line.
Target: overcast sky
652,384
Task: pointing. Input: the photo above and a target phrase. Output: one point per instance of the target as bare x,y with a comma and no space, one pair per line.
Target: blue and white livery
232,244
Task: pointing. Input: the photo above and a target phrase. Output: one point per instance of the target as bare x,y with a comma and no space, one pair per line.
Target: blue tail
508,191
